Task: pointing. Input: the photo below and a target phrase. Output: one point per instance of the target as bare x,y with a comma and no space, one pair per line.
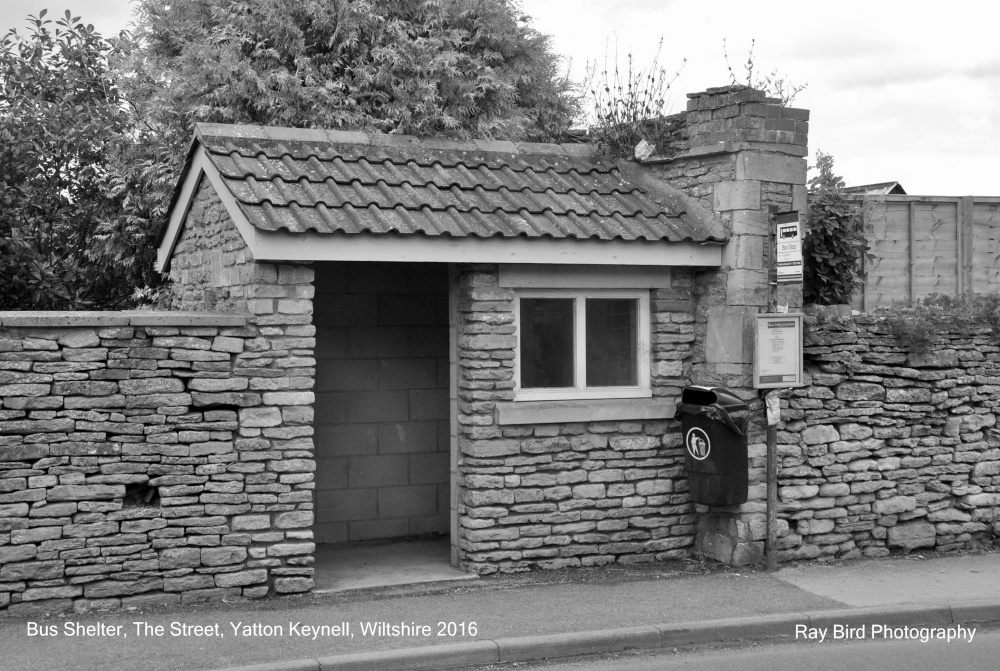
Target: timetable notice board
778,351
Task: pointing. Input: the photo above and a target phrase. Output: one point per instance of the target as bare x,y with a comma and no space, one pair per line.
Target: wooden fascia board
312,246
200,165
178,214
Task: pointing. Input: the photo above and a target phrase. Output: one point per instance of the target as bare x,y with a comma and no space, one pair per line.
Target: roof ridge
250,131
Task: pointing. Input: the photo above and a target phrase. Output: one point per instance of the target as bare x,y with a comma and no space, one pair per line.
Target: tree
834,242
64,129
471,68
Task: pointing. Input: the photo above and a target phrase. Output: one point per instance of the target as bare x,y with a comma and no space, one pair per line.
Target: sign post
773,417
777,364
778,356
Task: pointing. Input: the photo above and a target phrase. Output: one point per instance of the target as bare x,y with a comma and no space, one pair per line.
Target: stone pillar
276,438
745,161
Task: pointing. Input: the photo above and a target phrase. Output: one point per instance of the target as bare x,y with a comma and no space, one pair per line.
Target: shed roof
878,189
295,181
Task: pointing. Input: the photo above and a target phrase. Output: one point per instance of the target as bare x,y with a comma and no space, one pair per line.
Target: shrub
919,326
834,242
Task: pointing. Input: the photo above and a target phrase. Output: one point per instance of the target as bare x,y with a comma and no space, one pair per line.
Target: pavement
506,619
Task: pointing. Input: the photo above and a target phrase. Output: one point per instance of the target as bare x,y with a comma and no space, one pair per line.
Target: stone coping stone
184,318
47,318
728,147
72,319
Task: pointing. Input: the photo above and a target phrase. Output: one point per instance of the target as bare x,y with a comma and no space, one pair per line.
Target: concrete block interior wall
382,434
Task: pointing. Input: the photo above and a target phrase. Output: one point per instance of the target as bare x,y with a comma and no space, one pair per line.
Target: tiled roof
879,189
335,181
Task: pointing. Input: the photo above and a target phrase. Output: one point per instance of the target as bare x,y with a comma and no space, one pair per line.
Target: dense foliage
65,134
471,68
834,242
94,130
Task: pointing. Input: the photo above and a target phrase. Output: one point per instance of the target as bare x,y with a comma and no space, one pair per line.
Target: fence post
966,258
912,229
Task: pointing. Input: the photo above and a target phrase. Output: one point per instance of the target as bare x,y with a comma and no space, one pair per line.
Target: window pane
546,342
612,359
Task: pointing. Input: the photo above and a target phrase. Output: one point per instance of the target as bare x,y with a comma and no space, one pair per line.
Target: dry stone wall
888,450
150,458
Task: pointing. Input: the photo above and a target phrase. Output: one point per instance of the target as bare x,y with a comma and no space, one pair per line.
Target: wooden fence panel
923,245
934,267
888,271
986,247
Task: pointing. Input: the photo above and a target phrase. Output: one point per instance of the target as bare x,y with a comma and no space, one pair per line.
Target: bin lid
697,395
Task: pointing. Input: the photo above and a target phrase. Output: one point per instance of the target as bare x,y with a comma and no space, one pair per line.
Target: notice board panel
777,360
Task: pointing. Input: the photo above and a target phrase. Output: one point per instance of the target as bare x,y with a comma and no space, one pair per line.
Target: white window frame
578,391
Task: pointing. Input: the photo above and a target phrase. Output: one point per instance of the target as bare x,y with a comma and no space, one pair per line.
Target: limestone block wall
382,431
889,450
561,494
150,457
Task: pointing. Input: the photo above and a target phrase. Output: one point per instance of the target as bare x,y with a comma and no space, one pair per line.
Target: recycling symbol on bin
697,442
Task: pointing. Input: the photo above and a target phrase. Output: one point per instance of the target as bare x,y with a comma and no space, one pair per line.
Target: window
582,344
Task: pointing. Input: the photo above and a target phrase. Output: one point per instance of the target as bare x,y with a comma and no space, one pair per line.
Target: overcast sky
905,91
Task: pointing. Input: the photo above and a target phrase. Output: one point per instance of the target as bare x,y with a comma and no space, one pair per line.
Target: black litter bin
715,445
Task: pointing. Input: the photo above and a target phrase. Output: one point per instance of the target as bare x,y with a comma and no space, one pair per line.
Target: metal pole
771,544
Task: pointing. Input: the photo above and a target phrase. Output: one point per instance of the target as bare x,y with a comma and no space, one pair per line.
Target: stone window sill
588,410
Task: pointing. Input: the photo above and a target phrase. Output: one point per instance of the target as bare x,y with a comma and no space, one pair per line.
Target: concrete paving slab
347,566
869,582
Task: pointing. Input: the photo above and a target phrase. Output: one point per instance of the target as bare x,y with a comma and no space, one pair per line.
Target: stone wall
554,495
149,458
889,450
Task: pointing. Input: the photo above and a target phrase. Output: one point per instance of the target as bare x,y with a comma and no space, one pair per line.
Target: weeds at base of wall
919,326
